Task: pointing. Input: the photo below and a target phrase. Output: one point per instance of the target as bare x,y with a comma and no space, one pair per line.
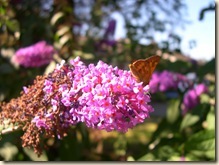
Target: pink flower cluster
101,96
35,55
167,80
192,97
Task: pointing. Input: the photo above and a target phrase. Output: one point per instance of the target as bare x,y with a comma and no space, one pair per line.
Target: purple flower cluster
192,97
108,37
101,96
35,55
110,30
167,80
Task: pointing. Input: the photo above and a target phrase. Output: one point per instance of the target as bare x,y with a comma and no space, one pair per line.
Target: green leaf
189,120
50,67
211,119
64,39
202,144
179,158
173,110
33,156
199,137
165,152
13,25
2,11
63,30
147,157
8,151
204,98
130,158
199,155
210,154
56,17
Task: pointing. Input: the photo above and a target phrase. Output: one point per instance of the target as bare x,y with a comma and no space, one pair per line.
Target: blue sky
203,32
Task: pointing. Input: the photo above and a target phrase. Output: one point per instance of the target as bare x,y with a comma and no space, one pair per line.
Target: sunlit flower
101,96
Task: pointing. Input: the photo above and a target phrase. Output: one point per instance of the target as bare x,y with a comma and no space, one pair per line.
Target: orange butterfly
142,69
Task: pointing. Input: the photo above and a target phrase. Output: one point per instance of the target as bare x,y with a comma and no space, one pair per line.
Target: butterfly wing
142,69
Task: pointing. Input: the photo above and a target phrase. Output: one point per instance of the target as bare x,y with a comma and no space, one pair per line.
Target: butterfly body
142,69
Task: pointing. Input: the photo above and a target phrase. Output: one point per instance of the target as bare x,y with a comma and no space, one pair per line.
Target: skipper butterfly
142,69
